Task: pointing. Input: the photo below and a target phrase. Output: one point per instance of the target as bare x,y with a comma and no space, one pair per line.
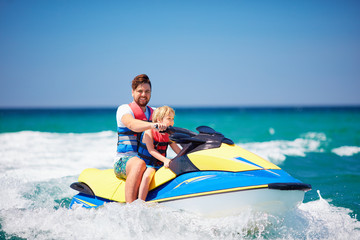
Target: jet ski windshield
207,138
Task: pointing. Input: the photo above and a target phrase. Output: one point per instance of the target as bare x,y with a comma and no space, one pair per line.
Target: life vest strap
150,158
156,143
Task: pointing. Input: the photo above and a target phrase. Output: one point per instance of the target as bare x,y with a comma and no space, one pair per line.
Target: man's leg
135,168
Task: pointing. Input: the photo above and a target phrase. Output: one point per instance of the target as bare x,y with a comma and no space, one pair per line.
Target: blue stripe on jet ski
88,201
248,162
217,180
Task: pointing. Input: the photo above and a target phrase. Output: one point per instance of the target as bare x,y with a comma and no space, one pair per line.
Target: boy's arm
148,140
175,147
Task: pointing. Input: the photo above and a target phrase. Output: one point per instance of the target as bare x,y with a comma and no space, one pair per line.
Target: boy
152,148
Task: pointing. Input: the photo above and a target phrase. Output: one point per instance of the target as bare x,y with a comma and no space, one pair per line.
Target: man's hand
160,127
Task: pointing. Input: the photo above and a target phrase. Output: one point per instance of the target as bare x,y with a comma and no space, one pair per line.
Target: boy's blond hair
162,112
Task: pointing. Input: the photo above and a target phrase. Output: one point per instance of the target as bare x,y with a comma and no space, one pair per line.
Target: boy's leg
145,183
135,168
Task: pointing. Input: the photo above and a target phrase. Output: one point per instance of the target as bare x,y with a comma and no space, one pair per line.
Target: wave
324,219
346,151
313,220
26,153
277,150
39,156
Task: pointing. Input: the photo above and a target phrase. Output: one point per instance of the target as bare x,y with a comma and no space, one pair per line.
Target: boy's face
168,120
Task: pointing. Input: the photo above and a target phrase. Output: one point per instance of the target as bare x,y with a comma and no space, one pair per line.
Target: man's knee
140,163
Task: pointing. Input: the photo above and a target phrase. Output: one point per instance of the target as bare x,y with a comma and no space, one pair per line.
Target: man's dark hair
140,79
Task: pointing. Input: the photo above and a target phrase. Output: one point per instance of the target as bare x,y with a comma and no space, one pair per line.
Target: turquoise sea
42,151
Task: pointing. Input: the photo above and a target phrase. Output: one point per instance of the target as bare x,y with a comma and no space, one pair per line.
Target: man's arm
136,125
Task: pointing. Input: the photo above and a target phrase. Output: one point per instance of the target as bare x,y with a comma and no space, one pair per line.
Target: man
132,120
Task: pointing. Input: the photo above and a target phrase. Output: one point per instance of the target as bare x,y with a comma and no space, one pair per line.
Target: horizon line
186,106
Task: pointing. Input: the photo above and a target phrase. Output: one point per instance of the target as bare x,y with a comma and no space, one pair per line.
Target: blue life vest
128,139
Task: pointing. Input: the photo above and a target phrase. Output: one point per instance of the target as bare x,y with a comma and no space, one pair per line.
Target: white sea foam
326,221
313,220
277,150
37,156
346,151
271,131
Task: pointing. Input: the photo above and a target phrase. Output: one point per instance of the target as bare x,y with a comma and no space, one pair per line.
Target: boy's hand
167,163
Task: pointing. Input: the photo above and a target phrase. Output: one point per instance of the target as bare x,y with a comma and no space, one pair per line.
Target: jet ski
211,176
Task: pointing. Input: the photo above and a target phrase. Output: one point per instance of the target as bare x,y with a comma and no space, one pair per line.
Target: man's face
142,94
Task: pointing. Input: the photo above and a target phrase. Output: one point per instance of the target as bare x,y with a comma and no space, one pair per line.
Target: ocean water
42,151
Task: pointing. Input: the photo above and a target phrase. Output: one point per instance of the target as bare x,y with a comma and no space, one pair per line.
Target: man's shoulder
124,109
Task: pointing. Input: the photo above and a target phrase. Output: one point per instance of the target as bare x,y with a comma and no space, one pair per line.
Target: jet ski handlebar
171,130
206,135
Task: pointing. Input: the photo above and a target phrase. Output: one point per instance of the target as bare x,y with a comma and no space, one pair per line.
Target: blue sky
59,53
